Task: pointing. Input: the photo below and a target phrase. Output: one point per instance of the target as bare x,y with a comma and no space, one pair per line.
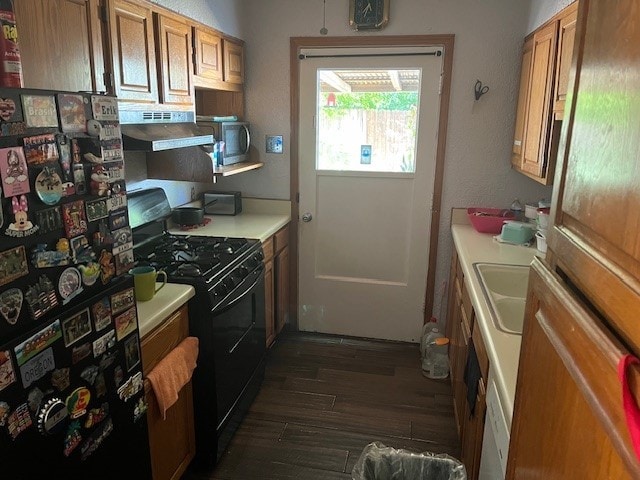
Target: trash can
378,462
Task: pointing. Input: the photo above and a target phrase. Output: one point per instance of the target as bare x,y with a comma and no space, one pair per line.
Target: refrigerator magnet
101,313
90,273
7,373
49,186
81,251
80,352
76,327
140,408
74,218
93,442
4,413
124,262
13,264
97,209
131,387
78,401
19,420
107,267
52,416
126,323
21,226
72,438
60,378
99,184
41,297
104,108
69,284
13,170
96,415
104,343
49,219
11,305
41,149
89,374
132,352
72,112
122,300
39,111
35,344
8,110
100,385
122,240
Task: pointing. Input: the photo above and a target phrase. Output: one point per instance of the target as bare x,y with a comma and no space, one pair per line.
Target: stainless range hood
156,131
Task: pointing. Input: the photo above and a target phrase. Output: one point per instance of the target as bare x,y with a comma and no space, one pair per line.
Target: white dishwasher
495,442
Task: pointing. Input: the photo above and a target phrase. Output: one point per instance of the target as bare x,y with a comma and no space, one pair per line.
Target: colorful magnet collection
65,184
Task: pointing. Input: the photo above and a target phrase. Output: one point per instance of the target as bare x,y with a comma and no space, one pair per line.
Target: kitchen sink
505,288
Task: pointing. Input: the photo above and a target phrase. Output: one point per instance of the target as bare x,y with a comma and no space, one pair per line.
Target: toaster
222,203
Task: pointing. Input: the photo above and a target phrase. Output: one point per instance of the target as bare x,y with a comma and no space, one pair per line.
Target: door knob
306,217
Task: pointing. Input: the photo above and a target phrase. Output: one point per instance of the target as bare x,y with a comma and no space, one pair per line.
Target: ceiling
369,80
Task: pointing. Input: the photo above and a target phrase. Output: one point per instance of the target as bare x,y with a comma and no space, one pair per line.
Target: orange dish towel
173,372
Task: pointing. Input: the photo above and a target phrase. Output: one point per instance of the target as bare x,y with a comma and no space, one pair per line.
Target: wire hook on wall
480,90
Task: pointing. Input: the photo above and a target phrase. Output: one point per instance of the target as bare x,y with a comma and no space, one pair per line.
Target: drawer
164,338
267,248
481,351
281,238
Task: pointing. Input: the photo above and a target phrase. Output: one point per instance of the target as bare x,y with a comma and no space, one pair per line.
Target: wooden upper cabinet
218,60
566,37
537,118
233,62
174,48
133,52
523,96
61,44
546,61
595,236
208,56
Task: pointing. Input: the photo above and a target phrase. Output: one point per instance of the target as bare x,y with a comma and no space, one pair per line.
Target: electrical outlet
274,144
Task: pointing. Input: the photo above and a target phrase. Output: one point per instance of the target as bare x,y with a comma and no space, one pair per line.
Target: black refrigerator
72,399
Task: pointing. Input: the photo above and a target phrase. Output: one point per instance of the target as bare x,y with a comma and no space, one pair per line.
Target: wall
222,15
542,10
489,37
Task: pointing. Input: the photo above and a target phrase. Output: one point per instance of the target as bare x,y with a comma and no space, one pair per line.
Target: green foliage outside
398,101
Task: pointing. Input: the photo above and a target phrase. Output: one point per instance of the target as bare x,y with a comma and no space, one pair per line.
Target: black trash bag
378,462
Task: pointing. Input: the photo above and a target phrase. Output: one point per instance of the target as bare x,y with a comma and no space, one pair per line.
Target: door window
367,119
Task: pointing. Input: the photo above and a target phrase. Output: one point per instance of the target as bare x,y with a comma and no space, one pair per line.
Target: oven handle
224,306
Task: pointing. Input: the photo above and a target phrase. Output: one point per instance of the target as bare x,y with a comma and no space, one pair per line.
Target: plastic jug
435,359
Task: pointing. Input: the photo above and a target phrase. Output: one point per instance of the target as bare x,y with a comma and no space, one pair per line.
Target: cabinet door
174,45
538,113
133,52
171,440
208,54
282,288
568,419
60,44
269,302
523,103
595,236
233,62
566,40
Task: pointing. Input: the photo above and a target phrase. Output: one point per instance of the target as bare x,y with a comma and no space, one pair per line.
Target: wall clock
368,14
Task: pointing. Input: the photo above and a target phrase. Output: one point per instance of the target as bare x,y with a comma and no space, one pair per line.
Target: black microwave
232,140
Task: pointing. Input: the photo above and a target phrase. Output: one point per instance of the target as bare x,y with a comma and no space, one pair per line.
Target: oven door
239,342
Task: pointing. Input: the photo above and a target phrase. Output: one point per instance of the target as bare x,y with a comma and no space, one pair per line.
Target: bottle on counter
10,63
516,209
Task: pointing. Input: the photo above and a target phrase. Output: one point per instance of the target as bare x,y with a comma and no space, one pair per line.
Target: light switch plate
274,144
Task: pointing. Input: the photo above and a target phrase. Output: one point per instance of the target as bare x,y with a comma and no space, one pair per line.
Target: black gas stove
199,258
227,315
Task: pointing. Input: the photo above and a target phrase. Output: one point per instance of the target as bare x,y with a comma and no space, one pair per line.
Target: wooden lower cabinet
276,262
568,419
463,330
172,440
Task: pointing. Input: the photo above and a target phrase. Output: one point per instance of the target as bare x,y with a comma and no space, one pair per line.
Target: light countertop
259,219
168,299
503,348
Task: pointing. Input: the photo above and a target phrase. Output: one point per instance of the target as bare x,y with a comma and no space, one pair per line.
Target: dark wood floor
325,398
